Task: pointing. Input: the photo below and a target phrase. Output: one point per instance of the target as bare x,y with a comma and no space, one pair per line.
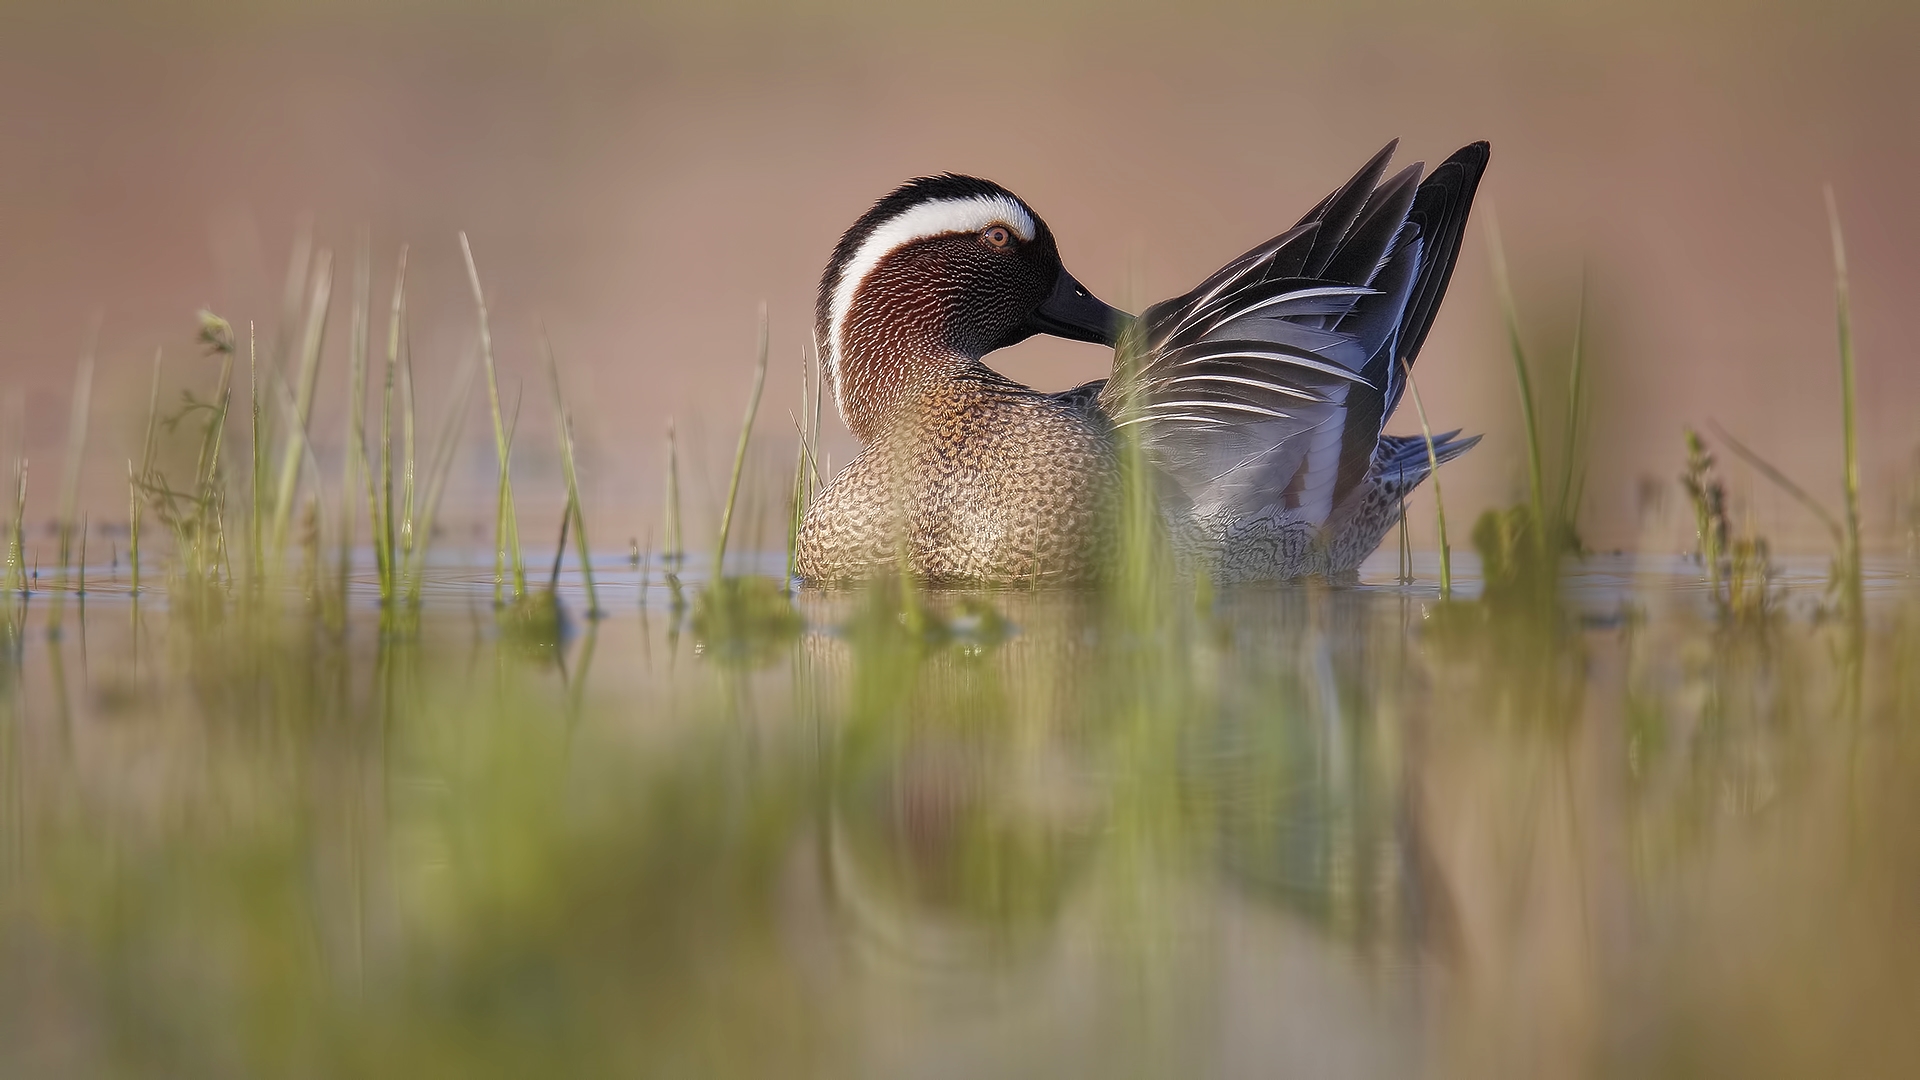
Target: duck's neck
875,376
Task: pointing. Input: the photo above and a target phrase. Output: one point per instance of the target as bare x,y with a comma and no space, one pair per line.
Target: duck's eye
996,236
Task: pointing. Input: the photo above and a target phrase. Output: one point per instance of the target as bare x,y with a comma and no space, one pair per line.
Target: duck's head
939,273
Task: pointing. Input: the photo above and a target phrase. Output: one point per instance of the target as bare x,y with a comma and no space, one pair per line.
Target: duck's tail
1402,461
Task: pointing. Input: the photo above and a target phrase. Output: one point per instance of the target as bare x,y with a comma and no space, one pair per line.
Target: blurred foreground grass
1348,831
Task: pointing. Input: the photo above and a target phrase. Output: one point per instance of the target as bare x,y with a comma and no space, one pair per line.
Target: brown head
939,273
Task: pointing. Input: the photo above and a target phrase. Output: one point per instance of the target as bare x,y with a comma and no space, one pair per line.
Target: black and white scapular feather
1261,395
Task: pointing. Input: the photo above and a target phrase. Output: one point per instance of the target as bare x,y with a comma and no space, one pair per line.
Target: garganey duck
1258,399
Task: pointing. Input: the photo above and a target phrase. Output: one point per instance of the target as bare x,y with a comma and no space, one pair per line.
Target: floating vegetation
1739,569
747,620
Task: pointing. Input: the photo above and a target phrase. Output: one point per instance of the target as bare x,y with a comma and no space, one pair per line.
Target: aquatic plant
740,449
1433,478
1521,548
1738,565
563,425
506,523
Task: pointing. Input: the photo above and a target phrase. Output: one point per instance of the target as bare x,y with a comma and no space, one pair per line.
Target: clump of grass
537,619
386,548
1521,547
1845,581
746,617
1709,499
400,509
1738,567
1840,574
195,515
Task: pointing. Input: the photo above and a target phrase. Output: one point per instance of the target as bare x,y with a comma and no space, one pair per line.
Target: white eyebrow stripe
939,218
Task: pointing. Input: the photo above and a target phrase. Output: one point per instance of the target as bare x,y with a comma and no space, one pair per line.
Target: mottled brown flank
976,479
994,481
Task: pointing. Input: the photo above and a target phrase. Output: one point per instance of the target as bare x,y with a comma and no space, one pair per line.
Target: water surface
1282,831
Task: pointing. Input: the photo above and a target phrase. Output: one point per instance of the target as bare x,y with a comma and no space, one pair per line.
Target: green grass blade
209,551
300,269
674,552
1566,504
256,463
1433,477
294,447
70,471
564,422
1782,481
515,561
740,449
17,536
445,447
384,533
356,474
504,523
1849,426
1503,289
410,466
136,508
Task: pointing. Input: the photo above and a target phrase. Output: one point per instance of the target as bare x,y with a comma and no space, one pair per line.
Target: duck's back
980,479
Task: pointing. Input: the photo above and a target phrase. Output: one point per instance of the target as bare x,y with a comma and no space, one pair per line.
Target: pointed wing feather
1373,234
1282,256
1337,211
1440,213
1437,214
1268,384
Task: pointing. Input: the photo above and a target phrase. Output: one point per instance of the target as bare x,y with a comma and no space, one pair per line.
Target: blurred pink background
639,179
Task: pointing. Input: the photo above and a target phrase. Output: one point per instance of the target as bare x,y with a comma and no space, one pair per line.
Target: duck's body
985,480
1257,399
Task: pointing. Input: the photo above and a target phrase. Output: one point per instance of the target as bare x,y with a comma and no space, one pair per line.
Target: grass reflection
1032,835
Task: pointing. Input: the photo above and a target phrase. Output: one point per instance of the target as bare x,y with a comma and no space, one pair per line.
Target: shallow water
1289,831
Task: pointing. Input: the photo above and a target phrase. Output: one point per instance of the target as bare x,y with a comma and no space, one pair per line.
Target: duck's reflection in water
1137,818
1311,766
